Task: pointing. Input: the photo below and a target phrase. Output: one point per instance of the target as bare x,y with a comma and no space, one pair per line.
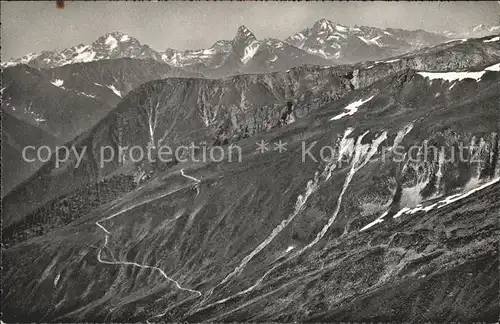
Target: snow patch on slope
56,280
455,198
494,39
86,94
380,219
372,41
401,134
39,120
57,82
462,40
116,91
83,56
448,200
351,108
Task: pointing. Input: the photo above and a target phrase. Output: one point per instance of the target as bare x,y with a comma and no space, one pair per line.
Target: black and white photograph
250,162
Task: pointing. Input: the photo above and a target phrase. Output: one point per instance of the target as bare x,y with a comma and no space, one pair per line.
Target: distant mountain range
480,30
242,54
325,43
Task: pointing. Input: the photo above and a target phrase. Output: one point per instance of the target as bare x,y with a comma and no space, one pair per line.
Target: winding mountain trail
99,258
190,177
130,263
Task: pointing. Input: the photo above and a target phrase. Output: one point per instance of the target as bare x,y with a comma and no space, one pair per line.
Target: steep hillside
16,135
33,98
180,111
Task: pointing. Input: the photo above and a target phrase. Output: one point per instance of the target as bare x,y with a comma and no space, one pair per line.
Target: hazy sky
37,25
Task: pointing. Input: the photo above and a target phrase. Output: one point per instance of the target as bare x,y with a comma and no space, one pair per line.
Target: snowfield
351,108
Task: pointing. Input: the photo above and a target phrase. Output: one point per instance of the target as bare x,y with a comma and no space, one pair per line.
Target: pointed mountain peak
116,37
324,24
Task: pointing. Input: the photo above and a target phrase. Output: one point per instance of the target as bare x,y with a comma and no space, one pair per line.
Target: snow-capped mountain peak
115,38
327,26
324,25
245,33
353,44
326,43
244,37
109,46
116,42
245,44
